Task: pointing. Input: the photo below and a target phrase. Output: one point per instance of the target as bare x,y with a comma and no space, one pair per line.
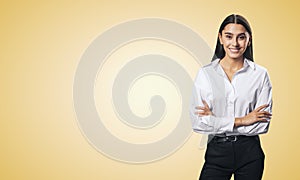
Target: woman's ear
248,39
220,38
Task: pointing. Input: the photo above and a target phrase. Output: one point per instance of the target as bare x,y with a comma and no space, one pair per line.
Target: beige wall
41,45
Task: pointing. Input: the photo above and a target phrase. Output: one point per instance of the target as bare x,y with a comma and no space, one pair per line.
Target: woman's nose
235,42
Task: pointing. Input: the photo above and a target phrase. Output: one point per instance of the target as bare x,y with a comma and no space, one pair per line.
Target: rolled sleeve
265,97
206,124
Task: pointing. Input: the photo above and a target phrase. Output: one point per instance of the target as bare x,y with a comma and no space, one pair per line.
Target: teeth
234,50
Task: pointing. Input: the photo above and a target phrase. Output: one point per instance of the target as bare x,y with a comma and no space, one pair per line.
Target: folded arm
256,122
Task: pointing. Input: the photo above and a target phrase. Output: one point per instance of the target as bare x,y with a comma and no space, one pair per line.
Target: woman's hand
203,110
255,116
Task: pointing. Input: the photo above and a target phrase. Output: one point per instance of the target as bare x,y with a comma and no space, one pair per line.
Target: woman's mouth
234,50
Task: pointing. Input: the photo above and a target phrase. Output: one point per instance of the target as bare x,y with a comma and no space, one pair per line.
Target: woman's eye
228,36
242,37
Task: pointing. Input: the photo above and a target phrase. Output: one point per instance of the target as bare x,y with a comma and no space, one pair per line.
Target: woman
232,102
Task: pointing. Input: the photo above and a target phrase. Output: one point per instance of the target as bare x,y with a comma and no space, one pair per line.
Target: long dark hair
236,19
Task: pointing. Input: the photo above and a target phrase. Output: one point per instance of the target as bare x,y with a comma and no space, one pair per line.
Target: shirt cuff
224,124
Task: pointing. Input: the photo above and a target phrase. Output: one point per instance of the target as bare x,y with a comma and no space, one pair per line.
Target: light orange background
41,45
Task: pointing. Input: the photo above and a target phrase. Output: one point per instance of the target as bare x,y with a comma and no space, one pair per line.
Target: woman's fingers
203,110
205,104
264,114
261,107
202,113
262,119
200,108
203,107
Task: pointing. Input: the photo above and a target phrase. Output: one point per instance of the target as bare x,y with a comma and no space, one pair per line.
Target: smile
234,50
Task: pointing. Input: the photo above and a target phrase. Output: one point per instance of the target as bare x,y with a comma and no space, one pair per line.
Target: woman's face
235,40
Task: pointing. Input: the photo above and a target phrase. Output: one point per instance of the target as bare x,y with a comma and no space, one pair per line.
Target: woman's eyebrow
229,33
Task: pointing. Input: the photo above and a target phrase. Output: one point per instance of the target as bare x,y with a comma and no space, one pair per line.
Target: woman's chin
235,55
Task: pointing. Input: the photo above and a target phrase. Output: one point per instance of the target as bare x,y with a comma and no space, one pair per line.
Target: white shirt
250,88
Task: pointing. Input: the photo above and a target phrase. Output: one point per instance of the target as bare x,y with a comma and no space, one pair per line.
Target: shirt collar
250,63
215,64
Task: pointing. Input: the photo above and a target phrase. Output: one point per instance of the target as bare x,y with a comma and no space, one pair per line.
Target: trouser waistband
232,138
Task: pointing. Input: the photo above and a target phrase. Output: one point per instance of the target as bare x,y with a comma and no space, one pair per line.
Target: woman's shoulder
210,65
261,72
257,67
206,69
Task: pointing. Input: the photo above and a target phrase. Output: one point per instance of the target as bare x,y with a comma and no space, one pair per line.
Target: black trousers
244,158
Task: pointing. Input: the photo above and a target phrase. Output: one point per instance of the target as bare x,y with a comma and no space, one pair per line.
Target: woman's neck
232,64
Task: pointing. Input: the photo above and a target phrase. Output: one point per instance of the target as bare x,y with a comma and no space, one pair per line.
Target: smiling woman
232,102
234,40
237,24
